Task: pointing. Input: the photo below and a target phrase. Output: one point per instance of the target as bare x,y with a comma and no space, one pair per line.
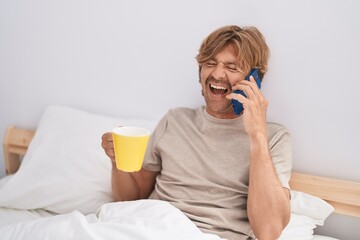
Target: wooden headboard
343,195
16,142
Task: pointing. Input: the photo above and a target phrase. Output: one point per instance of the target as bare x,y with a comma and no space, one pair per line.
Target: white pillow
65,168
311,206
307,211
300,227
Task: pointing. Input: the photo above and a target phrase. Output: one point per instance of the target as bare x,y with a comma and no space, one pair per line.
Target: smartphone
238,107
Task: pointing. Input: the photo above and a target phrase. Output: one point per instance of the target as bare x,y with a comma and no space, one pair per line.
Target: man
228,173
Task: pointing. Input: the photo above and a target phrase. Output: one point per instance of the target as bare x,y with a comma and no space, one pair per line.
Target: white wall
136,58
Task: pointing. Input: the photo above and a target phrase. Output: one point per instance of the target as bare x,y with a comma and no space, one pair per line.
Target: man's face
217,77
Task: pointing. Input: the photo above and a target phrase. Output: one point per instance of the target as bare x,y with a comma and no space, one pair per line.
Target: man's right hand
127,186
108,145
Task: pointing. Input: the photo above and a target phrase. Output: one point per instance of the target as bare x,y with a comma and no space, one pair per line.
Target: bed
58,187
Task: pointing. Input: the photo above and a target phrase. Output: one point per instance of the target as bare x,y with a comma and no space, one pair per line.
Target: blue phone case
238,107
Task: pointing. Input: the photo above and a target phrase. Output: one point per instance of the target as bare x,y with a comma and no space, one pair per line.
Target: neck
223,115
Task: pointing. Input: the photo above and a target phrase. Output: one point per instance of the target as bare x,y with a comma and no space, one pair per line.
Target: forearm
132,186
124,186
268,202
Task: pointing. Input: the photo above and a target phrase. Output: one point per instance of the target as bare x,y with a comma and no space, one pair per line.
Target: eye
232,68
210,64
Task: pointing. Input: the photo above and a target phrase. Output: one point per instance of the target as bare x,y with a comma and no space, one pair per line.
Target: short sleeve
152,159
281,154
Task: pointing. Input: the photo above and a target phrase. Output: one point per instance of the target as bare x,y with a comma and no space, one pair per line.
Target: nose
219,72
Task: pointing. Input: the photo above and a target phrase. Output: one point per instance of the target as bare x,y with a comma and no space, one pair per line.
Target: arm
268,202
132,186
128,186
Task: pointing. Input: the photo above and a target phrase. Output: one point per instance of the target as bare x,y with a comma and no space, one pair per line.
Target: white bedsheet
143,219
320,237
12,216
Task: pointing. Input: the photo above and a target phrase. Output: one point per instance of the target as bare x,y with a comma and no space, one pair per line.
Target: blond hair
250,46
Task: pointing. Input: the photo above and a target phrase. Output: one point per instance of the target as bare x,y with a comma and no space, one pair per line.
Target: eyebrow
225,63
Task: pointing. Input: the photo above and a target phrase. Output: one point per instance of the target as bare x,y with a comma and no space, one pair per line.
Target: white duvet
141,220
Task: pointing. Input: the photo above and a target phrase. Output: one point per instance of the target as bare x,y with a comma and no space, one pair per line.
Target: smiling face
217,75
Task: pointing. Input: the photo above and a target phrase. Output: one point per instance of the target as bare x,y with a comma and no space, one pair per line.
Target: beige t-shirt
204,164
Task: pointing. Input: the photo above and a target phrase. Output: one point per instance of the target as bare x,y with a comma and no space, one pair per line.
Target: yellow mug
130,146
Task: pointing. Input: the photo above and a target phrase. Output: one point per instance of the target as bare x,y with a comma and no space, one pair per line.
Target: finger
108,149
237,97
107,137
110,153
106,140
246,87
255,86
251,83
107,145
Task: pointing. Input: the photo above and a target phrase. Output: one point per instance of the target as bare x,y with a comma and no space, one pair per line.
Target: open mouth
218,89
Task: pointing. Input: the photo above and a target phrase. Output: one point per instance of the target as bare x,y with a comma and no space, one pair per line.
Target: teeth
217,87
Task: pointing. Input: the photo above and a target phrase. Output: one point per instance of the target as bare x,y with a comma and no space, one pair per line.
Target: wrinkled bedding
141,220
